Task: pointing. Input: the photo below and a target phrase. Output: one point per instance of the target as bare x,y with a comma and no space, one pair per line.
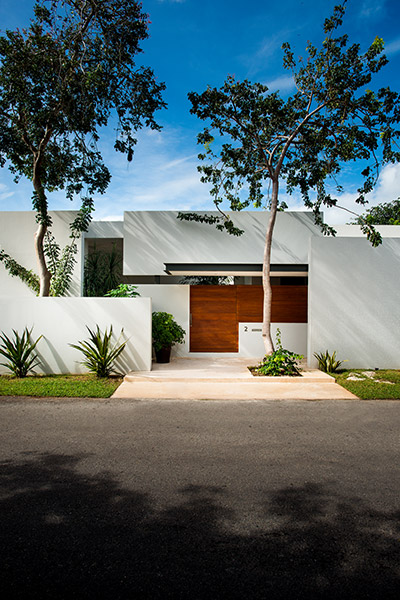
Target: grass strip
62,386
377,385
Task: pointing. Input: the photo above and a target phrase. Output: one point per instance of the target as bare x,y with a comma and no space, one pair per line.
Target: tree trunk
267,307
44,273
41,208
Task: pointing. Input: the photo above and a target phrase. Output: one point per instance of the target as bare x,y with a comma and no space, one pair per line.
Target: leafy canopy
387,213
61,81
256,140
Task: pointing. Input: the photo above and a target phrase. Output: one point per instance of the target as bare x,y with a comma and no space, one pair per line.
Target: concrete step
217,390
150,377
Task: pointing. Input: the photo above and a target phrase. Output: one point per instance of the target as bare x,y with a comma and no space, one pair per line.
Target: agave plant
20,352
99,352
327,363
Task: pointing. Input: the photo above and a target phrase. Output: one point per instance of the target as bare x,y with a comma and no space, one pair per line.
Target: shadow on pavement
69,535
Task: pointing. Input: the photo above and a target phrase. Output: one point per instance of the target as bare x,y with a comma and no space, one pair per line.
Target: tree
331,119
387,213
61,80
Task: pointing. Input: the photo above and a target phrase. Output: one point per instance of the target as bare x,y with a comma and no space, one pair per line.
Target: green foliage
99,352
102,272
60,263
63,386
327,363
124,290
281,362
20,352
166,331
206,280
61,80
17,270
387,213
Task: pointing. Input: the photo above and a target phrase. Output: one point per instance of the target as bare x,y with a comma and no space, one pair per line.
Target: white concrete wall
105,229
17,230
152,238
386,231
173,299
354,305
293,338
62,321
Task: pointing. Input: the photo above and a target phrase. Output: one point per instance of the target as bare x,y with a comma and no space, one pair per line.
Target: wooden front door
216,311
213,319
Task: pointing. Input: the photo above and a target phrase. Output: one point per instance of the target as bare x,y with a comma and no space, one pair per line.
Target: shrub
280,362
327,362
20,352
99,352
102,272
124,290
166,331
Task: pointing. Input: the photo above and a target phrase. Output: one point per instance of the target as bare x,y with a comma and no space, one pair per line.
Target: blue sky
195,43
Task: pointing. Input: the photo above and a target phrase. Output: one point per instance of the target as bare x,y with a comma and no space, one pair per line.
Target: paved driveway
145,499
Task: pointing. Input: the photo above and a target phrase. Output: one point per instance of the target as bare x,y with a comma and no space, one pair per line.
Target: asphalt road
161,499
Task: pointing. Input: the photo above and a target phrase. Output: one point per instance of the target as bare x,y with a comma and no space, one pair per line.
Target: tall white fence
63,321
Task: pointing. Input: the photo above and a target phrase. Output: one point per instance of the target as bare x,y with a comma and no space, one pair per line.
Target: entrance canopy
241,270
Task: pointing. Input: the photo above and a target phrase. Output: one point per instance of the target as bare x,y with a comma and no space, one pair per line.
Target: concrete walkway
225,379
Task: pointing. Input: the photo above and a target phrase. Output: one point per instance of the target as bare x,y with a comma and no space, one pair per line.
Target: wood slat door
250,303
289,303
214,325
216,312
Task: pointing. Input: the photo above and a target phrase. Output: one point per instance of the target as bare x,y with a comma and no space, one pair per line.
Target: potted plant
166,333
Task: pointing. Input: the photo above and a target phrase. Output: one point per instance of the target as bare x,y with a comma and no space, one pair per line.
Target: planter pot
163,355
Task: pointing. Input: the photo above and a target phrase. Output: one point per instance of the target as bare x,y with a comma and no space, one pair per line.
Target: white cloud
392,47
162,176
5,192
372,8
386,190
267,49
179,161
284,83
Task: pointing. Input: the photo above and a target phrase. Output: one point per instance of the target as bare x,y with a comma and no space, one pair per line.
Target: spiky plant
20,352
99,352
328,363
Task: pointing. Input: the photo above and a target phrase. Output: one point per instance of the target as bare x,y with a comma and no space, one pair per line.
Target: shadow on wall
153,238
68,535
353,303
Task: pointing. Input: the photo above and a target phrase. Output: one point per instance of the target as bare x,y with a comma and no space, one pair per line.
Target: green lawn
372,384
65,386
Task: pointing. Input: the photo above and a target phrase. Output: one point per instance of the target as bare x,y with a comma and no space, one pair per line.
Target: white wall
386,231
152,238
293,338
105,229
17,230
354,305
63,320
